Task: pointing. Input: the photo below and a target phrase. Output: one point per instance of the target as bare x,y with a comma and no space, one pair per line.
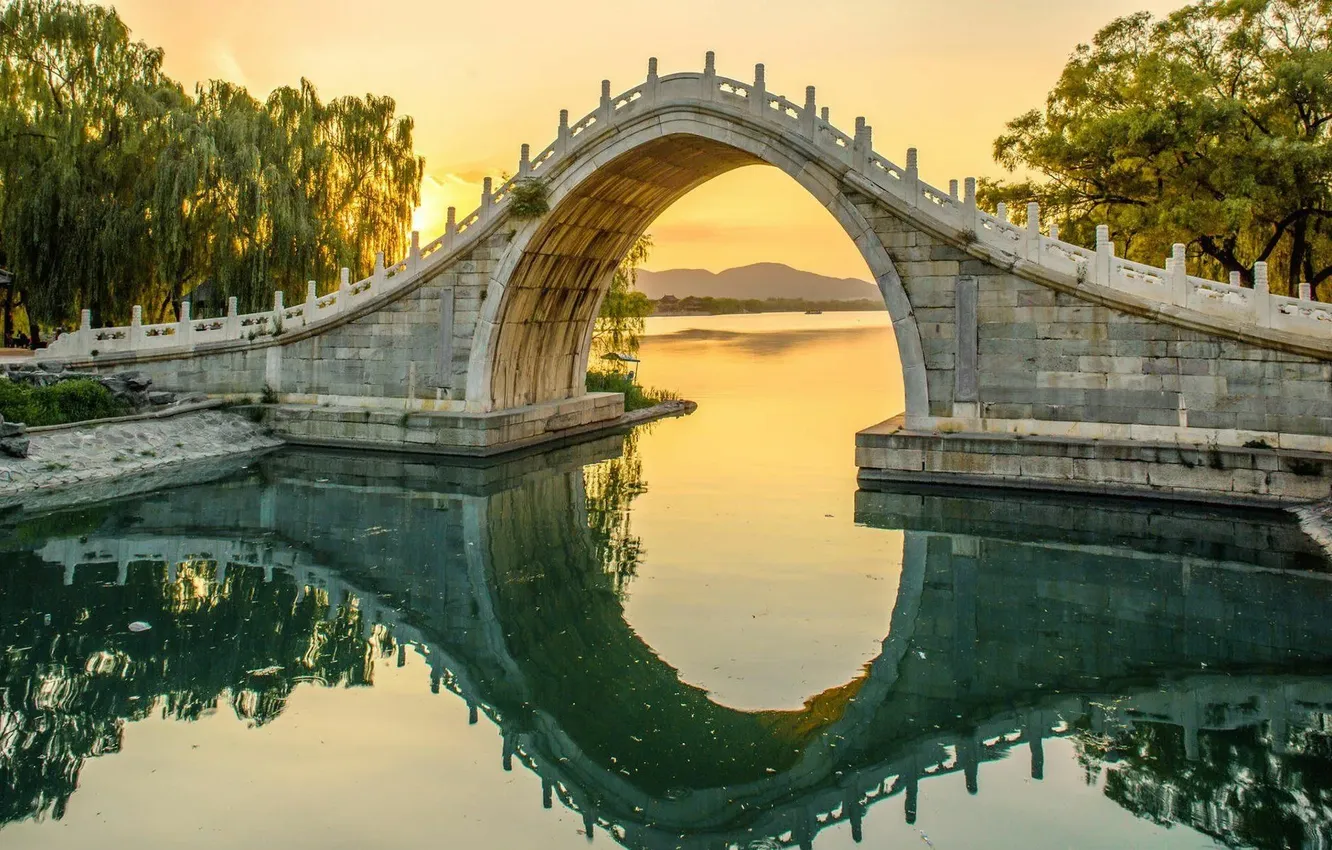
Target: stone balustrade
926,205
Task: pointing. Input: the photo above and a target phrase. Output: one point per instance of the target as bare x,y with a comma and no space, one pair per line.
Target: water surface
699,635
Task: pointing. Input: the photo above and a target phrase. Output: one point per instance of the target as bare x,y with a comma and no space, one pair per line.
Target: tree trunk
9,315
1309,273
34,332
1299,247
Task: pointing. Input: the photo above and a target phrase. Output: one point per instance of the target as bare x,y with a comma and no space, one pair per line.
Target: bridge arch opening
537,320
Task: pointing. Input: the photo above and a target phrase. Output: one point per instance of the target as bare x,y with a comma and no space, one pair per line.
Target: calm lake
696,635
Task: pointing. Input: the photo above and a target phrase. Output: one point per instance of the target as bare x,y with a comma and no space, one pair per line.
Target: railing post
524,161
344,289
809,116
1179,275
709,79
1105,250
1054,232
311,299
451,228
952,189
860,146
233,318
278,307
184,328
1034,232
414,252
970,215
379,274
562,137
650,88
1001,212
136,337
1306,291
486,199
85,334
758,93
913,175
1262,296
607,108
1235,280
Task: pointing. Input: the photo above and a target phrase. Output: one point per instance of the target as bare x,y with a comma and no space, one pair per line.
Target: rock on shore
77,456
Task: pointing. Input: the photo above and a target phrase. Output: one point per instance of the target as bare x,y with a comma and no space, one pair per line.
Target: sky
482,78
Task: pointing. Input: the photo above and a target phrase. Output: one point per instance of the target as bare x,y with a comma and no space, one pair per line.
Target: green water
698,635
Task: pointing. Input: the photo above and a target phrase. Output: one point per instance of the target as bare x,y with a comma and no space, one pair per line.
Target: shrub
59,404
636,397
527,199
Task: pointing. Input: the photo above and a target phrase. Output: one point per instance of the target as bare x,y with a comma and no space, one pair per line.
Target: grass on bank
635,397
59,404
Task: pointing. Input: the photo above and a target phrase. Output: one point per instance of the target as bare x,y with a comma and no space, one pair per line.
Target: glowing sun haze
482,78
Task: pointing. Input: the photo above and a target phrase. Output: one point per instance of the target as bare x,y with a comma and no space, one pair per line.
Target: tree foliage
1209,127
119,188
623,318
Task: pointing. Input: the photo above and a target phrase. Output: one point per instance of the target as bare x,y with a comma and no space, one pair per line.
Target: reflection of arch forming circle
562,758
548,749
535,324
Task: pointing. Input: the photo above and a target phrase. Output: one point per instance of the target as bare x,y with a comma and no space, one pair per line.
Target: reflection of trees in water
1244,789
72,673
611,486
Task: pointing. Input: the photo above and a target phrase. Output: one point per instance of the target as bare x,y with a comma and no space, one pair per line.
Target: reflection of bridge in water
1010,628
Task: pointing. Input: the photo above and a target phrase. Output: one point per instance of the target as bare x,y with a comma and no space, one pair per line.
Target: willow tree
118,188
276,193
372,179
1209,127
624,311
81,120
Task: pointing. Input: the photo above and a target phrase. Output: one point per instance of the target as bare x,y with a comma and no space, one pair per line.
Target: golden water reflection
758,586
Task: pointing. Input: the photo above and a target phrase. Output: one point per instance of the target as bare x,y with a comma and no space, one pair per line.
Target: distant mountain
762,280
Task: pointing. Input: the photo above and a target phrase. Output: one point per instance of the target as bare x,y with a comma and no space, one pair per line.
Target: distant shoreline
707,306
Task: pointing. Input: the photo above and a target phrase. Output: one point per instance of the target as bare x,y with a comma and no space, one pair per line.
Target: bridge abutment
444,432
1038,384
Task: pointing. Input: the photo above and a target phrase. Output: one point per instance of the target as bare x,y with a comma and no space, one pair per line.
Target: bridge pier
891,453
457,433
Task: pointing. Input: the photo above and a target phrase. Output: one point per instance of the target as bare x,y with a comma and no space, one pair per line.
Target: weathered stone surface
14,446
77,455
889,454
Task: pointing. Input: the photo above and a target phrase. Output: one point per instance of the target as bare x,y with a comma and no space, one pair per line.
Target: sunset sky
482,78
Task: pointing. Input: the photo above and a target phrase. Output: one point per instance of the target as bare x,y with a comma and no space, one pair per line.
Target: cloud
226,64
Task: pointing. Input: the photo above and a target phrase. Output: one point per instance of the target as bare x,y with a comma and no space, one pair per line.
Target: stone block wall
1041,357
411,347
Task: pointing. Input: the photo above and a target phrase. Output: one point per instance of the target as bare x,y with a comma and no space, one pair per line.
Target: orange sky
482,78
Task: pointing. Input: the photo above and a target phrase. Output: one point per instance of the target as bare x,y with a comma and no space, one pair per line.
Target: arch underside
555,290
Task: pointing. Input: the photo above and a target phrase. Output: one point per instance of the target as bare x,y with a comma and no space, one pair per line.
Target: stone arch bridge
1026,360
